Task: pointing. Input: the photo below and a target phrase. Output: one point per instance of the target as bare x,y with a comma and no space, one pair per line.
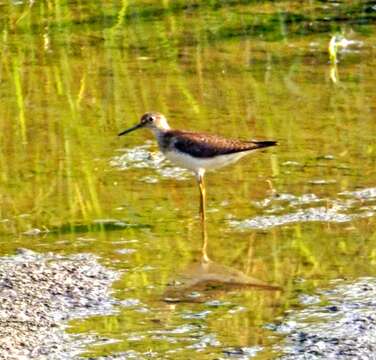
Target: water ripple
141,157
288,208
312,214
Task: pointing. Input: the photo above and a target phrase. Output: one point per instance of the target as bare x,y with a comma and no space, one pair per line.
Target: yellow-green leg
201,185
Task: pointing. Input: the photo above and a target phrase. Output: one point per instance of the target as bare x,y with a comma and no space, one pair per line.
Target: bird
196,151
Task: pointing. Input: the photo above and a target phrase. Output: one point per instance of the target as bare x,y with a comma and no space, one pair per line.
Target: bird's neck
162,137
160,131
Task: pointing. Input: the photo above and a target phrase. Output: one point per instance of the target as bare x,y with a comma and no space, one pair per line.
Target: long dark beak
130,129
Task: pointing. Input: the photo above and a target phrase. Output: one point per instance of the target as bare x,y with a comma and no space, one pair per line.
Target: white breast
195,164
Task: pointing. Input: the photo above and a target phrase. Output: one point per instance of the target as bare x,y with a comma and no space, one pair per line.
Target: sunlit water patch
141,157
310,208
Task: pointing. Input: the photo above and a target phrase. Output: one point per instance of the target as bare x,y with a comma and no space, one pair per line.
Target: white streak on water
347,206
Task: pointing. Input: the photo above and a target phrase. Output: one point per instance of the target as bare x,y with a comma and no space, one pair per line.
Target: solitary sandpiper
196,151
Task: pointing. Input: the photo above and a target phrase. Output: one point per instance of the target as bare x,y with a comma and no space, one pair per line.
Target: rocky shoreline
339,323
39,293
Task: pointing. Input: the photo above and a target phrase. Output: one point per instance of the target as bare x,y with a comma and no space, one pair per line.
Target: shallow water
73,74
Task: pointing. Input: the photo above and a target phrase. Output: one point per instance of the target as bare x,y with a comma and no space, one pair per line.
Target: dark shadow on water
273,26
95,226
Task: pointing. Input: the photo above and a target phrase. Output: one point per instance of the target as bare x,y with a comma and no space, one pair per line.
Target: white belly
196,164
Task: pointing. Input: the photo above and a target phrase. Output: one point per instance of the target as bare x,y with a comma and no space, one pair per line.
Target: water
73,74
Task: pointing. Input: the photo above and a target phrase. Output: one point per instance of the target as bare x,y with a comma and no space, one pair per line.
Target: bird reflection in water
207,279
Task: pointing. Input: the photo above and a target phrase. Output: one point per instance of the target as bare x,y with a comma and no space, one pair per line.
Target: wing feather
206,145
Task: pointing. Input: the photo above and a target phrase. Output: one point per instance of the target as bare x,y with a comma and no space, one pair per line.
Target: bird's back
202,145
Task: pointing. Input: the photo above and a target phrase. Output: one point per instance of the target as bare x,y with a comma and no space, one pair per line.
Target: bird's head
153,121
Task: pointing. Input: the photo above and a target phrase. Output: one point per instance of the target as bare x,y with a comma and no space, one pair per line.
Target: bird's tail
263,143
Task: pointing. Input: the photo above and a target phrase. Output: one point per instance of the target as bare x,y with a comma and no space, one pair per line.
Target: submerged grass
20,101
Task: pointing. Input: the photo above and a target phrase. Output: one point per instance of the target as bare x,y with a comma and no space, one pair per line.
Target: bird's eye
150,119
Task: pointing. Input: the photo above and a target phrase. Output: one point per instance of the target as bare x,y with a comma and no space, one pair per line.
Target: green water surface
75,73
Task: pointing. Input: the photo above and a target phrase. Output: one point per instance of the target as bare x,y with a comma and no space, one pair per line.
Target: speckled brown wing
206,145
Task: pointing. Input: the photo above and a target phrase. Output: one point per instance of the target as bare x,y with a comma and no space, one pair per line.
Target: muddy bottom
40,293
335,324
